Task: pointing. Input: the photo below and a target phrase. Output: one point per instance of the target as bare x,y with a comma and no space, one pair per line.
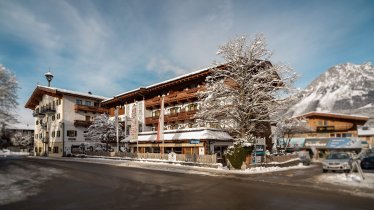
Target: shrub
236,154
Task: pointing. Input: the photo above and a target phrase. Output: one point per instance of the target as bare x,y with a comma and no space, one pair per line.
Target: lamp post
49,77
62,124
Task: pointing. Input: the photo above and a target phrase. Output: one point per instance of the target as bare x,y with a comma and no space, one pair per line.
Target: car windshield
338,156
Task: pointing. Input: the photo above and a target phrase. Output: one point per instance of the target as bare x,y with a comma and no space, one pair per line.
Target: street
27,183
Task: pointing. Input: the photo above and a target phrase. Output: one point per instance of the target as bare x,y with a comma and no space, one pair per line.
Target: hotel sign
194,141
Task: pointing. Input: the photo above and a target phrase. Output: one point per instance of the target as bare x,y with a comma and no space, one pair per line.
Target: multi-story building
182,134
61,119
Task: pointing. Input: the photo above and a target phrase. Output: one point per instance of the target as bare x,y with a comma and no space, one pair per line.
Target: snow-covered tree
18,139
244,95
8,99
287,128
103,129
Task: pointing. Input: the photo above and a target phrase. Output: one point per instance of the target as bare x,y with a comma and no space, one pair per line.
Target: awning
188,134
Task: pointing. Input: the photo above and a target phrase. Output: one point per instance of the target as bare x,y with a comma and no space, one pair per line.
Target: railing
48,110
79,107
82,123
181,116
175,98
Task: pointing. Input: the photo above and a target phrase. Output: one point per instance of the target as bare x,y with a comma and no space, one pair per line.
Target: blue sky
109,47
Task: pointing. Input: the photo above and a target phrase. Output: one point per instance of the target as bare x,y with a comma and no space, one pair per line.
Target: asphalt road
76,185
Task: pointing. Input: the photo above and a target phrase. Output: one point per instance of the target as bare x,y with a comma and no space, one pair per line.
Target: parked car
367,162
339,161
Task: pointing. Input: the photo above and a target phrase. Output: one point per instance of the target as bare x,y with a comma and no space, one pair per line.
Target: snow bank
261,169
353,180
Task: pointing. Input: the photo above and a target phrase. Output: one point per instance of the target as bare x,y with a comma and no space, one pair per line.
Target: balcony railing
181,116
82,123
79,107
48,110
37,114
175,98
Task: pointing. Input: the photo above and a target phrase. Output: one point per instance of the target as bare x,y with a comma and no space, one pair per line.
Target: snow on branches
103,129
8,96
245,93
18,139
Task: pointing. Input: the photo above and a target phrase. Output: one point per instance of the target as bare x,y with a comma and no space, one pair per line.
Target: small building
25,130
366,135
329,132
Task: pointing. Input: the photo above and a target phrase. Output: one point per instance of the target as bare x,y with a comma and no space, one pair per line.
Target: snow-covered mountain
346,88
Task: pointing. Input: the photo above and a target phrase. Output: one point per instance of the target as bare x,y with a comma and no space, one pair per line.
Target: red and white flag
160,130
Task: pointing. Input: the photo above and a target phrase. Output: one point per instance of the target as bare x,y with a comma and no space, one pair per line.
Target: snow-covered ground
6,152
353,180
17,183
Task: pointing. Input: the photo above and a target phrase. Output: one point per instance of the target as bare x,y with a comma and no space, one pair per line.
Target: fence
280,159
210,159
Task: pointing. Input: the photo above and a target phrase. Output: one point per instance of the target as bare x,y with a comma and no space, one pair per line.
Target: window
347,135
332,134
156,113
53,117
325,123
36,149
49,149
140,128
79,101
71,133
37,122
55,149
88,118
36,136
59,102
174,110
40,135
173,126
53,134
40,149
58,133
192,107
87,103
338,135
58,116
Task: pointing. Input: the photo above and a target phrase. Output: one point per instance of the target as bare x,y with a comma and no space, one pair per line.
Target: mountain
346,88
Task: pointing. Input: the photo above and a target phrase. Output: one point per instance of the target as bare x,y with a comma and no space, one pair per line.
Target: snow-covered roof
41,90
73,92
336,115
180,77
365,131
19,127
184,134
164,82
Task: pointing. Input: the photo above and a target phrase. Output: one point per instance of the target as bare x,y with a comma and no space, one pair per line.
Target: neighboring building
25,130
366,135
182,134
61,118
329,131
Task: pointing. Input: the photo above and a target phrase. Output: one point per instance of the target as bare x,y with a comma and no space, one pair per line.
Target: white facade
57,123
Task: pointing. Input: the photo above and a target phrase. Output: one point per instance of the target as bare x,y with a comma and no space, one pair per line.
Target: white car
339,161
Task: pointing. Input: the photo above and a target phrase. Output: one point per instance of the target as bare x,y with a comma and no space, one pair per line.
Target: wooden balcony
175,97
79,107
82,123
181,116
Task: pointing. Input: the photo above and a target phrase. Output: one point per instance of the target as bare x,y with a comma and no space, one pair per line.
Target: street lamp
49,77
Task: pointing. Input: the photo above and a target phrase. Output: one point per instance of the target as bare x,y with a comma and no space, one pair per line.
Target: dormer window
79,101
87,103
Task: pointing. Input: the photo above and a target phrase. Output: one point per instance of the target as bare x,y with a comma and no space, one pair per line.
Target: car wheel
324,170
